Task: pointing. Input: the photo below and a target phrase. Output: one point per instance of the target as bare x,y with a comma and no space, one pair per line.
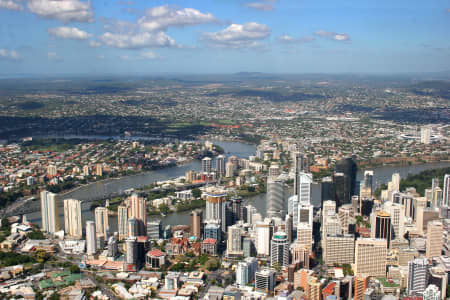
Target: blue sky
223,36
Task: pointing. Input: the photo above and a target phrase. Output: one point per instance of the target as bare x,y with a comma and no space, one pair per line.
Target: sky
223,36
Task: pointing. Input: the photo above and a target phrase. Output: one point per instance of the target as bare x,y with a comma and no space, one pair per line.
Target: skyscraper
264,232
432,293
304,235
206,165
339,249
293,209
196,223
265,280
417,276
361,281
274,171
397,213
234,241
138,210
220,165
446,191
300,165
304,186
305,213
216,208
132,249
101,222
122,222
49,212
370,257
229,169
347,167
435,239
381,226
279,253
395,182
425,135
72,218
242,270
275,198
327,206
288,227
91,241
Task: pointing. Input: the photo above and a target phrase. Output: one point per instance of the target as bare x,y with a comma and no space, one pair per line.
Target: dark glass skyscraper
345,181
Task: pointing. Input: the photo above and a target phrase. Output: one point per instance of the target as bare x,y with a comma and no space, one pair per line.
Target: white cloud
54,56
100,57
342,37
63,10
290,39
11,4
137,40
239,36
94,44
71,33
149,55
263,6
162,17
9,54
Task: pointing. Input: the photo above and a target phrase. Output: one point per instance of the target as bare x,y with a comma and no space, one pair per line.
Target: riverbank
395,162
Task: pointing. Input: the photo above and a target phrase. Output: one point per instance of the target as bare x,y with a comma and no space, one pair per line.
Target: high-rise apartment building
446,191
361,282
264,232
425,135
435,240
265,280
196,223
49,212
417,276
138,210
101,222
274,171
72,218
432,293
314,288
99,169
122,222
206,165
229,169
339,249
216,208
220,165
370,257
304,235
91,240
279,254
234,241
275,198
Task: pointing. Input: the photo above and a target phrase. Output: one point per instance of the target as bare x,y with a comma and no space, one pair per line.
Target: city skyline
125,37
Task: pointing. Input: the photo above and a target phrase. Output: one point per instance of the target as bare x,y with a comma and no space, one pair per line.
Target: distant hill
436,88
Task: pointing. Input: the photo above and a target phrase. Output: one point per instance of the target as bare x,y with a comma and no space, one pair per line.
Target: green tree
196,193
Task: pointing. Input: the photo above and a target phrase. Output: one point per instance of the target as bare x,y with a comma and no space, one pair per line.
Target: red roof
329,289
210,241
155,252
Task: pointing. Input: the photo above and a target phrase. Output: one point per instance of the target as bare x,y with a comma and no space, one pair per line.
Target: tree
196,193
5,225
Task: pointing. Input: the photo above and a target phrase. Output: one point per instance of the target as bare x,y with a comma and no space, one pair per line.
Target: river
241,150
